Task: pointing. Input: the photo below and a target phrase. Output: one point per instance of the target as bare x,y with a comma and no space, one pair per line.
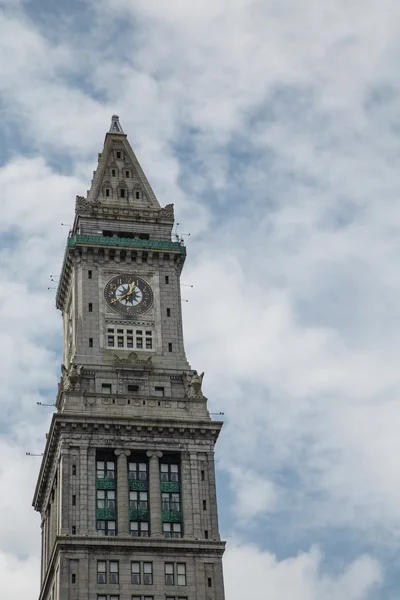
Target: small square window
120,331
139,332
106,388
118,154
158,391
129,332
149,333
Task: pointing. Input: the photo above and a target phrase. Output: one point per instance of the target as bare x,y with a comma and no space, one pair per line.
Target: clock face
129,295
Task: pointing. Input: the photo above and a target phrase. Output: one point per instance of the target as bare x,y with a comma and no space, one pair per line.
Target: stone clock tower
126,489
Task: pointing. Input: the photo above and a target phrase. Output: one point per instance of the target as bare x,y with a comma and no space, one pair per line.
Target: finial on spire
115,125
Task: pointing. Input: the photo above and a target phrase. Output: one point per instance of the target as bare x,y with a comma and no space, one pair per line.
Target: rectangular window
122,192
90,307
90,342
107,528
105,469
73,577
209,582
169,472
169,574
181,573
172,530
204,505
168,312
127,174
169,347
170,502
113,173
136,573
129,341
139,529
106,388
73,469
110,340
149,343
202,475
138,470
108,192
89,274
166,279
148,573
158,391
137,195
118,154
120,341
73,500
206,534
114,571
138,500
139,342
106,499
101,571
73,529
133,388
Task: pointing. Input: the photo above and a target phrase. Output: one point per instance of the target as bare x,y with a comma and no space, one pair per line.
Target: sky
274,128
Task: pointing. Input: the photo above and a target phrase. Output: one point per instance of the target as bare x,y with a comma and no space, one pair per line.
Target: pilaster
155,493
122,492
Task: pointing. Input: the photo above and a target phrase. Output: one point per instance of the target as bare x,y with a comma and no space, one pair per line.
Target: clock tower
126,489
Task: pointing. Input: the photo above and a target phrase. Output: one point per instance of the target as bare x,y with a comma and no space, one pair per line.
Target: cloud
250,571
273,127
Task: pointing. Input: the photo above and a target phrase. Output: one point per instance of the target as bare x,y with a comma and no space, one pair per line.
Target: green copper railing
106,514
105,484
101,240
173,516
140,486
139,515
170,486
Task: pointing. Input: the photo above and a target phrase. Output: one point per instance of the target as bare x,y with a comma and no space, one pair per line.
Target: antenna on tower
187,285
32,454
219,413
67,225
178,237
52,278
43,404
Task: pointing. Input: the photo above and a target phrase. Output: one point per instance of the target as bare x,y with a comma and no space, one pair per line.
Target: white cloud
250,572
289,186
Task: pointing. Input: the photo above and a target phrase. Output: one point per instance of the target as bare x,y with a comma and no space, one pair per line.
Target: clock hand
114,300
131,288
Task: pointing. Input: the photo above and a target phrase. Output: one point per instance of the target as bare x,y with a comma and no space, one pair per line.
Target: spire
115,126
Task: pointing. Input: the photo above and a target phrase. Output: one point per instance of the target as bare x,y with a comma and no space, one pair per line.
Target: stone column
65,490
187,492
154,492
123,492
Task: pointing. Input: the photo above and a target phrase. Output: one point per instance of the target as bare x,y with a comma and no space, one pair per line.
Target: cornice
183,429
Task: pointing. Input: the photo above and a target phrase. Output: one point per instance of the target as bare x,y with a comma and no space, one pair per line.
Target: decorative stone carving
167,211
193,382
132,362
71,378
84,205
